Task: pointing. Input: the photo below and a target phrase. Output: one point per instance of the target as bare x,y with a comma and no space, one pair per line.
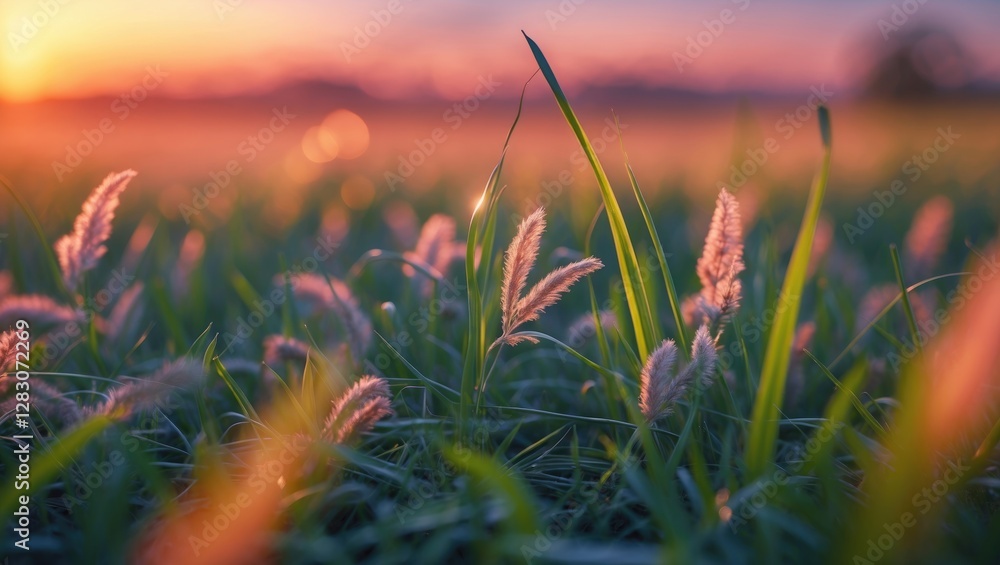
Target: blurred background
260,101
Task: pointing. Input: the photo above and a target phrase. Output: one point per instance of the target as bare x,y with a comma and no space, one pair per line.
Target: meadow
647,378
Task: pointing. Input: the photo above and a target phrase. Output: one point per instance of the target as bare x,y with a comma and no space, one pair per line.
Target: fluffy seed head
317,295
79,251
547,292
278,348
518,261
146,393
357,409
658,390
719,267
40,309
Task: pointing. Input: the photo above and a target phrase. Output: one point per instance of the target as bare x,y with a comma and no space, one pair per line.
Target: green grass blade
635,293
764,419
910,319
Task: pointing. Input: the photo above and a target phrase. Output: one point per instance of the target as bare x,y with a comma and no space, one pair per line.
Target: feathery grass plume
49,401
583,328
548,290
719,267
38,309
144,394
519,260
364,418
318,295
79,251
435,248
358,409
660,387
658,390
126,312
278,348
703,359
8,350
928,237
796,366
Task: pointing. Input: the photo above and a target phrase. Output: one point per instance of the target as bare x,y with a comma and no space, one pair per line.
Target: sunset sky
441,47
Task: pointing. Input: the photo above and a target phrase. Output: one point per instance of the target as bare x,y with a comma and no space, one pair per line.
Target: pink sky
91,47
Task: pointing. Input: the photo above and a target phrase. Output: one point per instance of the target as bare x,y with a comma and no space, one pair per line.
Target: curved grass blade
764,419
635,293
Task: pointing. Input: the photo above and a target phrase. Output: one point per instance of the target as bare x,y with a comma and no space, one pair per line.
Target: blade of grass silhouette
764,419
475,349
635,293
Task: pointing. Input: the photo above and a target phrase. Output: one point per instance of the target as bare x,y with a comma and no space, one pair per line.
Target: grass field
347,390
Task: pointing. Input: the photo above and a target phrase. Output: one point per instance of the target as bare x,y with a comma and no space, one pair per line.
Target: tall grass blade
764,418
635,293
